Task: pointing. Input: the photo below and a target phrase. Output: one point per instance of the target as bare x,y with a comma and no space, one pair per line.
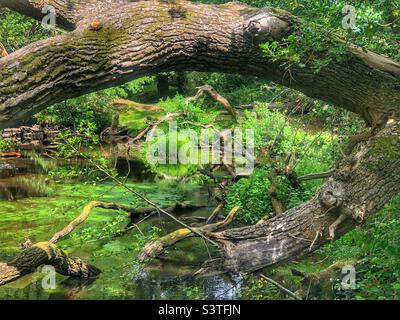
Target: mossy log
44,253
137,38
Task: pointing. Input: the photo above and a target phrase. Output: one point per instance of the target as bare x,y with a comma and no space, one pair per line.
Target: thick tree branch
314,176
134,212
210,91
69,13
44,253
149,37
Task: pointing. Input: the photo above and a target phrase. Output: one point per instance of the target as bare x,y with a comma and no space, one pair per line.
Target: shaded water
33,205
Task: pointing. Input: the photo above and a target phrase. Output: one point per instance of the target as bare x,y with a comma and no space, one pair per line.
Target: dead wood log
8,155
211,92
154,248
34,137
44,253
215,213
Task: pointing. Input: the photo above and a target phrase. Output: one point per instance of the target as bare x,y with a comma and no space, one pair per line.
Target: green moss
382,151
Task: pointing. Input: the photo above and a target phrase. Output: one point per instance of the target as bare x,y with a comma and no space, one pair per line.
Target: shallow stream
34,205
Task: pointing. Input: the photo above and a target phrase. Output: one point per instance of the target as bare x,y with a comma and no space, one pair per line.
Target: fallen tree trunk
114,42
361,185
44,253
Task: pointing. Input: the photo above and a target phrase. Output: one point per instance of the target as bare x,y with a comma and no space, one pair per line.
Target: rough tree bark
116,41
44,253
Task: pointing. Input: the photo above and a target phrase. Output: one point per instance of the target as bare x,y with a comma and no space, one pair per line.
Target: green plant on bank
6,145
193,111
311,48
93,109
181,142
256,288
309,153
16,31
376,248
82,143
314,41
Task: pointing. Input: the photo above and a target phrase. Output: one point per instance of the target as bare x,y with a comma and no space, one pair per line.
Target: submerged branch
154,248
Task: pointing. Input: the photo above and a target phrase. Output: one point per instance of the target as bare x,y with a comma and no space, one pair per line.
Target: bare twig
282,288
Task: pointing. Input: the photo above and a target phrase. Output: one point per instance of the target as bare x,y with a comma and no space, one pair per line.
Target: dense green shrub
92,108
376,246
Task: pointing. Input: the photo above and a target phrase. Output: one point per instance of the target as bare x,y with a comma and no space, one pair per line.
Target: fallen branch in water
47,253
134,212
154,248
44,253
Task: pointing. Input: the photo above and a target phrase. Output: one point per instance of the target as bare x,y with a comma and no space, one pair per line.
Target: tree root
154,248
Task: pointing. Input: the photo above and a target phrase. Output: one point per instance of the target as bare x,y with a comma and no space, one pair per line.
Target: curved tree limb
210,91
115,206
149,37
69,13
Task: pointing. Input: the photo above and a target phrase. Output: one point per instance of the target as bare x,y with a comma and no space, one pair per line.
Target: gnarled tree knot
332,195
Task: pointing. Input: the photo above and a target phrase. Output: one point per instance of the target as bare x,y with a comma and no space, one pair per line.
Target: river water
34,205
